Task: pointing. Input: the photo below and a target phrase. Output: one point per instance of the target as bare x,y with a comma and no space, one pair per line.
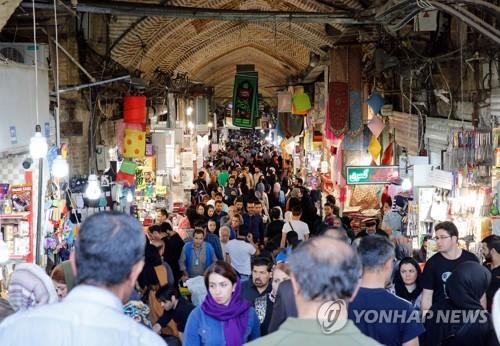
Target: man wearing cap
371,228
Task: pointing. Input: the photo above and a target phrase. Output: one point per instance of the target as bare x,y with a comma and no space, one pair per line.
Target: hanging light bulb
60,168
406,184
210,124
4,252
93,190
130,197
190,125
189,111
38,144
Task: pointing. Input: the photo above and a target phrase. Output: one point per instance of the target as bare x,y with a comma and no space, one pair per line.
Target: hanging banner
245,99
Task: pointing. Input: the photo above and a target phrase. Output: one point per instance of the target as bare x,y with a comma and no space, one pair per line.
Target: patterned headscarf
30,286
138,311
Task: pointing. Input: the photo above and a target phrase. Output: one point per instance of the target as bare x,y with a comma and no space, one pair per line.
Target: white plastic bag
197,289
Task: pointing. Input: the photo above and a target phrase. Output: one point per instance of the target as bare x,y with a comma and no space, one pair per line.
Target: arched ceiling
209,50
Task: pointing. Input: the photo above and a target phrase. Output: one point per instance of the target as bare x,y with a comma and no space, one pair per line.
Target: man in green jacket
321,295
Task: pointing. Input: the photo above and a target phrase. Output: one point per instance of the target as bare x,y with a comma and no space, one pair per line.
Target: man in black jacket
173,249
284,306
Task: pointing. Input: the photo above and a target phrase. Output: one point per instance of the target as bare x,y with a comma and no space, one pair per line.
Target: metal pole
38,243
88,85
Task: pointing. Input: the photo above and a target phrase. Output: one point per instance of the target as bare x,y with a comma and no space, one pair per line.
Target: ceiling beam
141,9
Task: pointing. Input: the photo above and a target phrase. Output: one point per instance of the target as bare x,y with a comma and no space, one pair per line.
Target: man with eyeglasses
439,268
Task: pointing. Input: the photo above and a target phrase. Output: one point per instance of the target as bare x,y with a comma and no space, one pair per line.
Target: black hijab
467,284
152,259
399,285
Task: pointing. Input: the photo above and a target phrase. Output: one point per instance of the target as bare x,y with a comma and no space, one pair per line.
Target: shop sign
364,175
441,179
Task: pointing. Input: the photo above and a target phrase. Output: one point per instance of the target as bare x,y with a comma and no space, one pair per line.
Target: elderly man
108,257
321,296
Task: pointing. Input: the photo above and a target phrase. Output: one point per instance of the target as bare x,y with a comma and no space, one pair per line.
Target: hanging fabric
375,101
355,55
388,154
284,102
338,107
301,103
281,124
295,125
338,91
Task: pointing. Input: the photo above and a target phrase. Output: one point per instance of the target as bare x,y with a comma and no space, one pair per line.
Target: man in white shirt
300,227
224,240
108,258
240,252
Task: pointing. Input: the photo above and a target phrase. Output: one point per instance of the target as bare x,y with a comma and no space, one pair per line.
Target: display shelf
24,216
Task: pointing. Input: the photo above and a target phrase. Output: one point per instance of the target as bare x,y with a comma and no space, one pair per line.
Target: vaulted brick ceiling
7,7
209,50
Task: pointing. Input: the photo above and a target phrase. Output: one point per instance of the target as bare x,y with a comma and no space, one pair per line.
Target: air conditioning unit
25,53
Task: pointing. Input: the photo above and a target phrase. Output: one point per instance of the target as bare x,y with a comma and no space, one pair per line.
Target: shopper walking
470,323
224,318
333,282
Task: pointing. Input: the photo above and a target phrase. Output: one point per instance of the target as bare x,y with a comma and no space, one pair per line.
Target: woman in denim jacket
224,318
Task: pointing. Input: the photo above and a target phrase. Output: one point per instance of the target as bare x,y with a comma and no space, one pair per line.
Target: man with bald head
325,277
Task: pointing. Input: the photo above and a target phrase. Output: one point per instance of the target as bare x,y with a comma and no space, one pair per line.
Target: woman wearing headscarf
63,278
407,281
29,287
224,318
464,288
277,197
275,227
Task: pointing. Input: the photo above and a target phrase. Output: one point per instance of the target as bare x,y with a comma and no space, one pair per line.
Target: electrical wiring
471,20
448,87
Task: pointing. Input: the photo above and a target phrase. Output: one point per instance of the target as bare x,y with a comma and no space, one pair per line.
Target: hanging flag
374,148
376,126
388,154
375,101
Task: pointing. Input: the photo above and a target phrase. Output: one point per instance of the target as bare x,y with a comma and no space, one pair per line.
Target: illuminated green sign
363,175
